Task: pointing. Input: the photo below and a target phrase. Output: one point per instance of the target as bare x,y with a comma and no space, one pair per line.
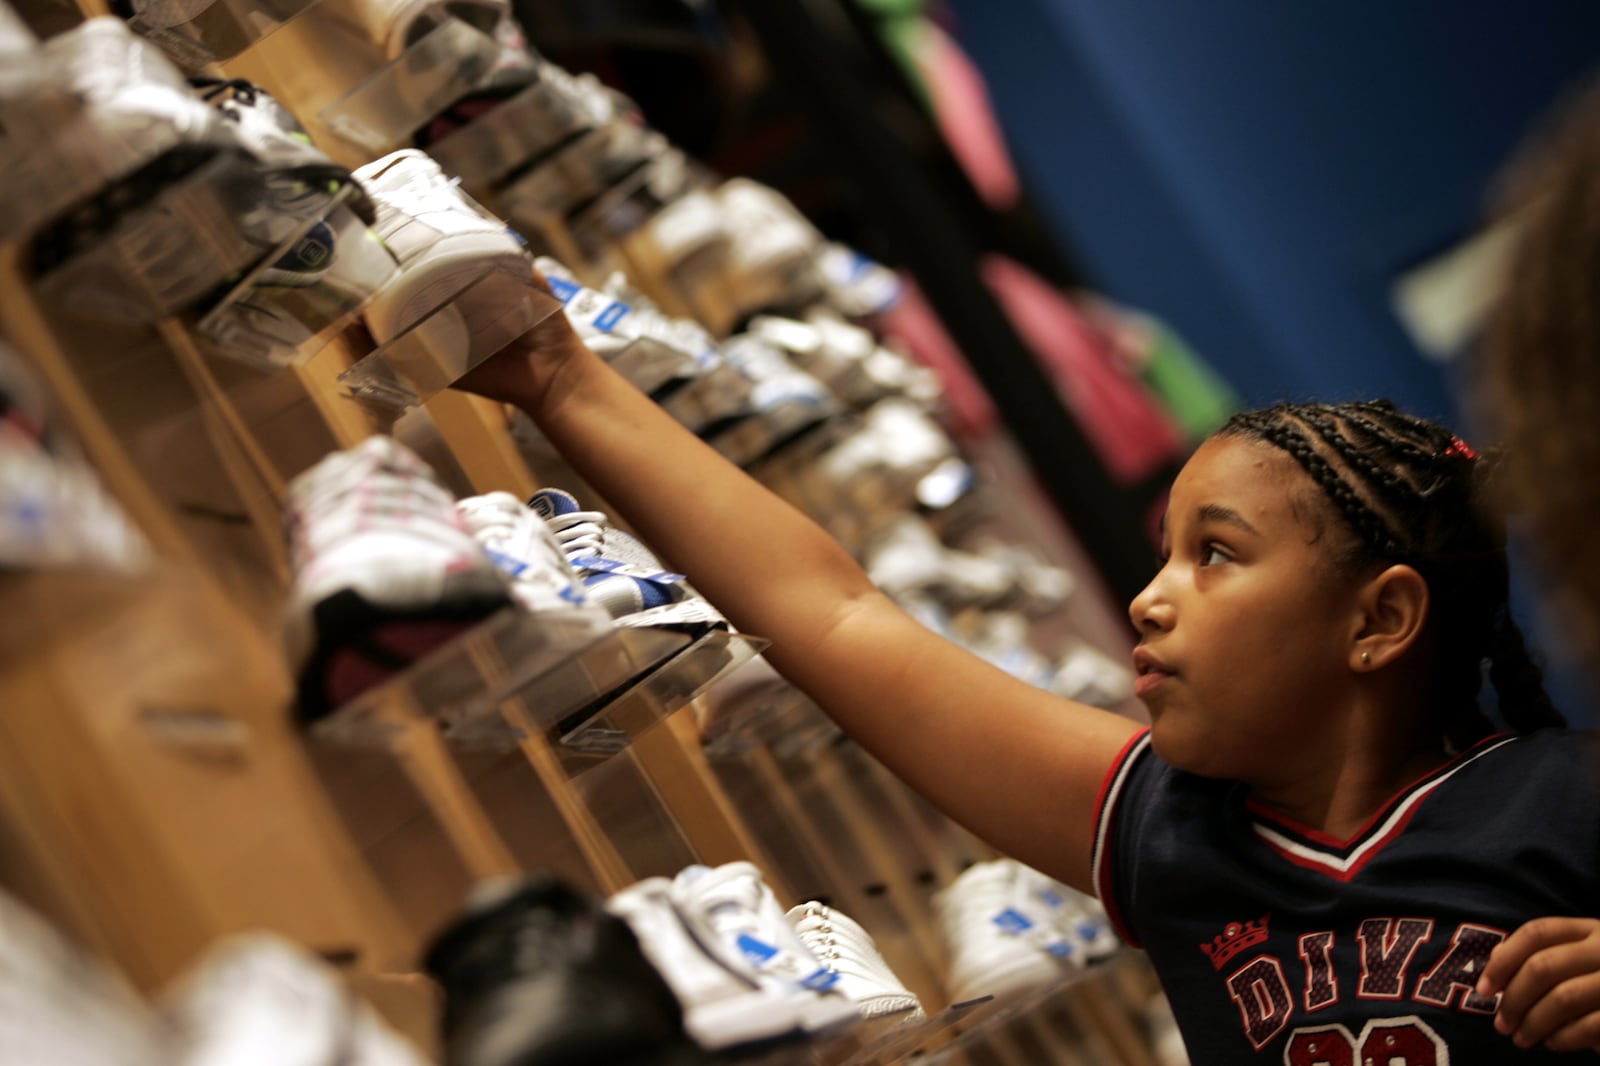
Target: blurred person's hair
1539,383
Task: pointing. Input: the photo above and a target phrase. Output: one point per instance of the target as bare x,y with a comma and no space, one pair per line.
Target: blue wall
1257,172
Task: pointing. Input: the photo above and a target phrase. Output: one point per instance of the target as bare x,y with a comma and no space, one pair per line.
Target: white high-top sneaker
849,951
734,916
723,1006
445,243
999,943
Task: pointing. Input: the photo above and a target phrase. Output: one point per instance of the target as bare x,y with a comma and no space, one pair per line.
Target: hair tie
1460,449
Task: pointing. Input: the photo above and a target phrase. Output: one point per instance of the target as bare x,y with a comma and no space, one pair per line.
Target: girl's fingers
1566,1018
1511,954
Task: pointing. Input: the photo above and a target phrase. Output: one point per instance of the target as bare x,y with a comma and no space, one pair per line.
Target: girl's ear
1393,610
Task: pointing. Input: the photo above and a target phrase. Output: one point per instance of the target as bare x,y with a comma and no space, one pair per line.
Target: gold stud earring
1366,658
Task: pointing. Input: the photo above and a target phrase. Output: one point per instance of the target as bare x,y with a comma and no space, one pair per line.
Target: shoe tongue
552,503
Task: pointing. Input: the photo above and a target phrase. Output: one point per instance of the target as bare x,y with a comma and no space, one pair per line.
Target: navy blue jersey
1278,943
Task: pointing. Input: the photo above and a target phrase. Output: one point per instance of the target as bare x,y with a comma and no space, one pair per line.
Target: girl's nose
1151,610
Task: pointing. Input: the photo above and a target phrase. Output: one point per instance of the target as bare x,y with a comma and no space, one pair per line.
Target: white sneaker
733,915
618,572
650,349
138,133
556,190
257,999
54,510
837,358
329,270
783,400
444,243
1079,918
897,445
1088,675
998,940
773,248
60,1005
849,951
520,543
909,559
723,1007
855,286
384,571
1002,637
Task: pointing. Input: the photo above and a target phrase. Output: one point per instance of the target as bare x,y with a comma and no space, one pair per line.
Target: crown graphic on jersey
1234,939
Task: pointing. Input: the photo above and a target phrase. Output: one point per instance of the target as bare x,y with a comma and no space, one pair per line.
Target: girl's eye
1211,555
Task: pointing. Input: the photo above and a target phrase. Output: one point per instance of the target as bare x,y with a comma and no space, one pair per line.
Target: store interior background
1260,176
1263,174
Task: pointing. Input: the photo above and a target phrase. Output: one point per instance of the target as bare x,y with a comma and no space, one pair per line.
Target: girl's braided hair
1410,492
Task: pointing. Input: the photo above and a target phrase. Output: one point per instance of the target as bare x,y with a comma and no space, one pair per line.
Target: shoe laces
211,88
580,533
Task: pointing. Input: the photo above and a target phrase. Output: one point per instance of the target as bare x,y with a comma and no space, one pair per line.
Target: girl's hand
521,372
1548,977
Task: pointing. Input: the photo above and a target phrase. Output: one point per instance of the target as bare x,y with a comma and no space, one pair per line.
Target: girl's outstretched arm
1016,765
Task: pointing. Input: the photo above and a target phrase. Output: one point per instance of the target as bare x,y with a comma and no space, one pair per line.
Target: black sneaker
538,975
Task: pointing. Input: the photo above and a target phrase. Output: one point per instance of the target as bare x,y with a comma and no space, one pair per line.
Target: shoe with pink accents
385,570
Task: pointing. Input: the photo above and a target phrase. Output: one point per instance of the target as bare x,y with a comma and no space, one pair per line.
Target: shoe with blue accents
654,351
618,572
733,914
725,1005
1001,938
525,549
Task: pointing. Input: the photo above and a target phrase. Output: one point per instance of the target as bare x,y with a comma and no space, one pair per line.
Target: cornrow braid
1407,489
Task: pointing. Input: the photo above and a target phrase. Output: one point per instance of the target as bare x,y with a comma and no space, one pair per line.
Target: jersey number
1383,1042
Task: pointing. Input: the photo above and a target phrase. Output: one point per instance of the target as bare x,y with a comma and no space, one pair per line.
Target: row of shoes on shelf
387,566
710,960
437,268
668,971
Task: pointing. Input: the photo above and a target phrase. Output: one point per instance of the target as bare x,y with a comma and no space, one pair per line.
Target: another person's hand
521,372
1548,977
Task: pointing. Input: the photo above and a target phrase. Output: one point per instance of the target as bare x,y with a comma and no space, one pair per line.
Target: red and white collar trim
1343,859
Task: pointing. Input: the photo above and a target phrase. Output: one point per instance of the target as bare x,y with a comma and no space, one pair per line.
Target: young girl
1327,852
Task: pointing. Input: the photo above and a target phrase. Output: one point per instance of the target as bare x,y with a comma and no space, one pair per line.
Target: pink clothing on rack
965,116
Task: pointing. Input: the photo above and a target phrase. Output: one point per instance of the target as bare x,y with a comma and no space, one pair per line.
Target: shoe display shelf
383,110
522,747
197,36
590,686
442,347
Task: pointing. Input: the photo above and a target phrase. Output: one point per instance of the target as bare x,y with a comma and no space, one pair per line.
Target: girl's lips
1151,672
1148,681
